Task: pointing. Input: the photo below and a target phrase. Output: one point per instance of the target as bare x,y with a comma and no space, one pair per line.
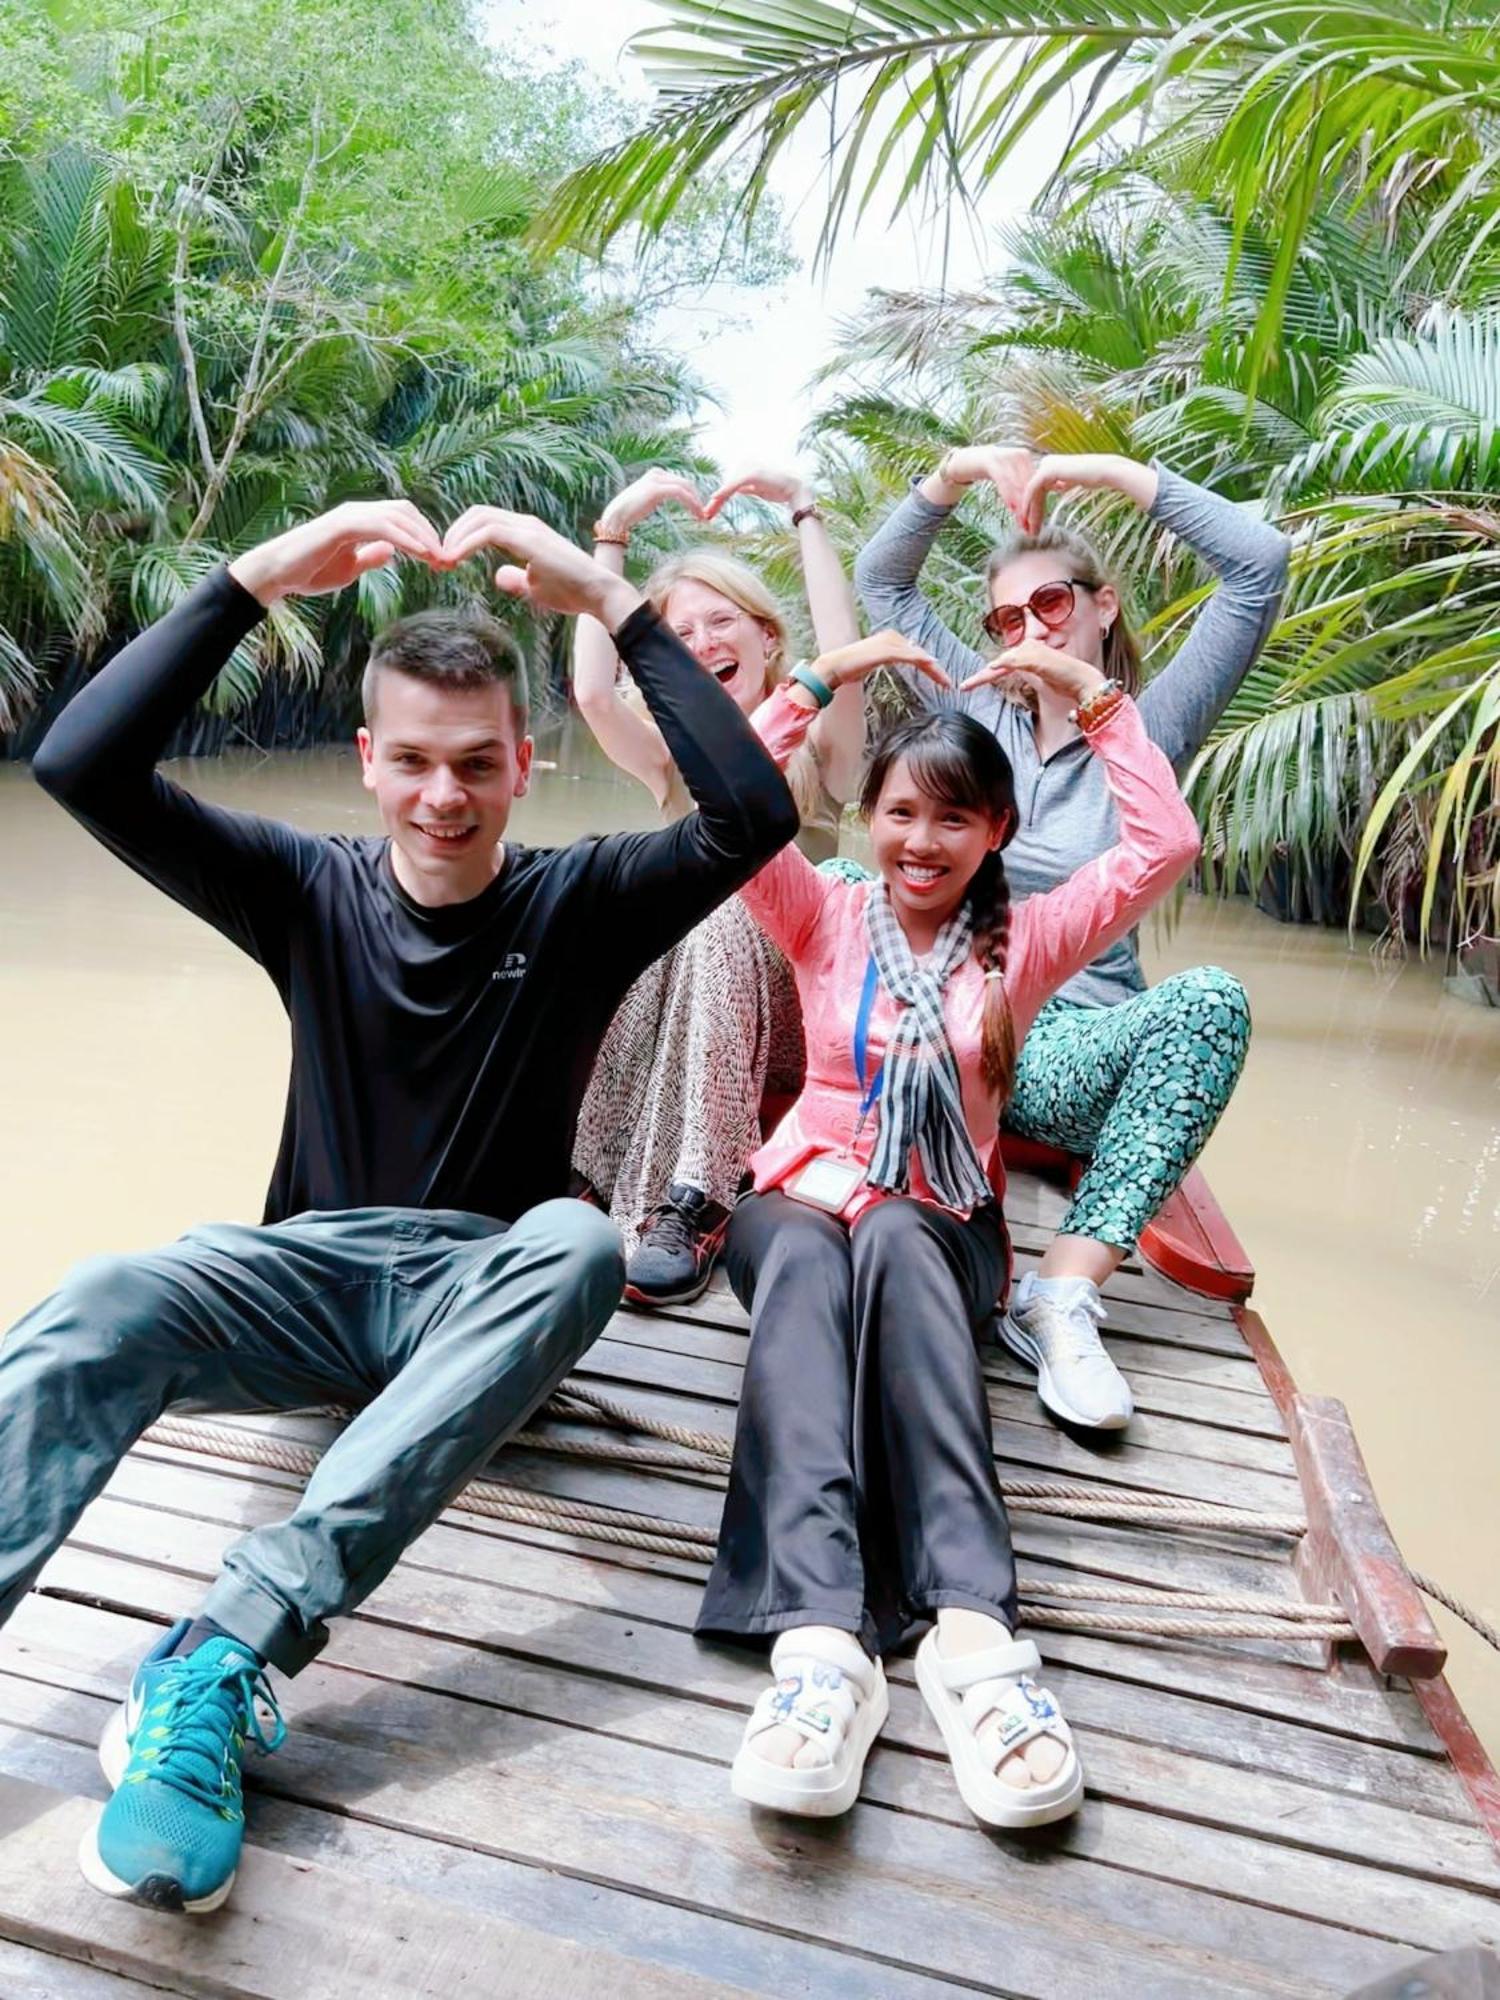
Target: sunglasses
1052,602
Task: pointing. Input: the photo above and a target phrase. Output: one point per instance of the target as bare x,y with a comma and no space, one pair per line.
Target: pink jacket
819,922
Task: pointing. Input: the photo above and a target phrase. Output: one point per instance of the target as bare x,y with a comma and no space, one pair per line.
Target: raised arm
1182,703
788,895
889,564
660,884
1060,932
99,758
630,741
838,733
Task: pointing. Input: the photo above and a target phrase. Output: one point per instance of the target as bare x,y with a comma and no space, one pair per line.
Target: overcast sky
761,374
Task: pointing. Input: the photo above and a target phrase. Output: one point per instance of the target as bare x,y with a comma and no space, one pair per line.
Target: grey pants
447,1328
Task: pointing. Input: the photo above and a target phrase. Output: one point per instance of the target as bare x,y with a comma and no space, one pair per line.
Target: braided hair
959,762
989,911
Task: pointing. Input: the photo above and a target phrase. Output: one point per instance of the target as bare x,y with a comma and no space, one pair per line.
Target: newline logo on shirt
513,968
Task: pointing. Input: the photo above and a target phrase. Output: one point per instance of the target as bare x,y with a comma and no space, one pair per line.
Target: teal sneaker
170,1837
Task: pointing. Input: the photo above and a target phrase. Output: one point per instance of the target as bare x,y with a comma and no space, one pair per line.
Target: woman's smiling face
734,645
927,849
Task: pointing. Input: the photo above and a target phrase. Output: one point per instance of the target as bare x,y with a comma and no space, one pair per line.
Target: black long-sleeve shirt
439,1056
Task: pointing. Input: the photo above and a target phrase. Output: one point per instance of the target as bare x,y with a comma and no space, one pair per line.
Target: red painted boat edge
1467,1754
1189,1240
1439,1703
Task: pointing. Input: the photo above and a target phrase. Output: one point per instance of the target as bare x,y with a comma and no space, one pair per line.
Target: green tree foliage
259,259
1364,738
1270,252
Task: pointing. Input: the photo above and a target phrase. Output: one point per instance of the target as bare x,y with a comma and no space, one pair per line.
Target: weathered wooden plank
1022,1449
1456,1975
1071,1548
656,1821
1158,1395
291,1931
620,1643
772,1962
220,1489
709,1340
1349,1553
1389,1906
682,1499
1009,1405
27,1974
660,1825
588,1913
1156,1453
1130,1312
1345,1702
1045,1448
206,1489
1256,1685
687,1369
200,1490
58,1632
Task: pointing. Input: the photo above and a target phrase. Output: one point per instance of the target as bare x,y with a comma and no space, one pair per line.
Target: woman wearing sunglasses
1134,1079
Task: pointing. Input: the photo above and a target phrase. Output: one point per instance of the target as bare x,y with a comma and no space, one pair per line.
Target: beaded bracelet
602,534
1100,705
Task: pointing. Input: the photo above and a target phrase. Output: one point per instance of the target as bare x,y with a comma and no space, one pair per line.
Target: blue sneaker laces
200,1700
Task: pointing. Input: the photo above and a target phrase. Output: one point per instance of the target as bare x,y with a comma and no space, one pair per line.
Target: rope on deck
1059,1497
1172,1613
705,1454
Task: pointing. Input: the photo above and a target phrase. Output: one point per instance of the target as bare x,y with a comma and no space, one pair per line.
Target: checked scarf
921,1101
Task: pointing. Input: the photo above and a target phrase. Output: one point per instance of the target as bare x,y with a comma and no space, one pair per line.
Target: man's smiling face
444,765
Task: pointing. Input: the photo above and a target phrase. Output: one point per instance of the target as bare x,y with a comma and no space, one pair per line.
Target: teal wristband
816,686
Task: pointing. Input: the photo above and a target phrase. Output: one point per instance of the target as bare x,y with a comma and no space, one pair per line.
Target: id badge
826,1183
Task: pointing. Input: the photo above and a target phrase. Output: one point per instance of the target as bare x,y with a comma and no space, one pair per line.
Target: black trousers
863,1492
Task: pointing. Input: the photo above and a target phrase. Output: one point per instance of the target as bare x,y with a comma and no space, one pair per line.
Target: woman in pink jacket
863,1499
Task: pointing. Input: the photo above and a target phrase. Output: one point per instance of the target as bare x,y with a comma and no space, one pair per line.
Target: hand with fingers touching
855,662
336,549
1007,468
1034,659
787,489
550,573
643,496
1082,472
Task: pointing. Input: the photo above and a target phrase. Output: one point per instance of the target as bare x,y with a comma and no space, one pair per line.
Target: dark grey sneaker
674,1259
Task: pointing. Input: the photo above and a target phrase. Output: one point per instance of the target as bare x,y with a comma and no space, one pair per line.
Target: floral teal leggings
1136,1089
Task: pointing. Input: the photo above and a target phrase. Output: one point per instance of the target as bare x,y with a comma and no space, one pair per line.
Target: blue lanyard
871,1090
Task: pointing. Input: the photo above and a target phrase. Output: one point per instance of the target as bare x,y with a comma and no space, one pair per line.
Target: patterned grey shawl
921,1100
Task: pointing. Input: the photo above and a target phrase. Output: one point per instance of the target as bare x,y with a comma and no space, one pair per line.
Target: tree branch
184,338
254,386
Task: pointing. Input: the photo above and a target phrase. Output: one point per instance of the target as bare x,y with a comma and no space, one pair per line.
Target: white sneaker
1056,1330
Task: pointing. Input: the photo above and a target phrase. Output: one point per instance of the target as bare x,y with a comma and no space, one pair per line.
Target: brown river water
145,1066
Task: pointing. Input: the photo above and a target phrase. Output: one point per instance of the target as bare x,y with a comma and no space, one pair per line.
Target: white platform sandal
996,1685
835,1698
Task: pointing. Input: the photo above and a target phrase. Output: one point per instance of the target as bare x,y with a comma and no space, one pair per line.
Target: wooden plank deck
508,1773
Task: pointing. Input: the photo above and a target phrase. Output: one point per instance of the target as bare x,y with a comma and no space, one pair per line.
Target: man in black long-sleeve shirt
447,993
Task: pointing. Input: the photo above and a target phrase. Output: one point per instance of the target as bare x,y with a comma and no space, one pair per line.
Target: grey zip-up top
1067,817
